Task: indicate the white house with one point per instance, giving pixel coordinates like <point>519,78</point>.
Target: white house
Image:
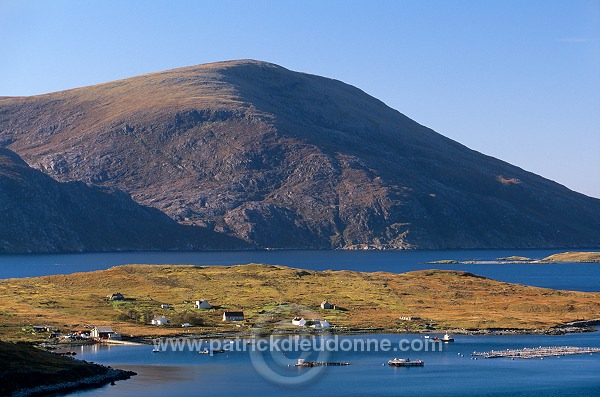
<point>104,333</point>
<point>43,328</point>
<point>160,320</point>
<point>202,304</point>
<point>320,324</point>
<point>301,322</point>
<point>233,316</point>
<point>409,318</point>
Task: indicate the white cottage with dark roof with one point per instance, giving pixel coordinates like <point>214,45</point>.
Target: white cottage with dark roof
<point>233,316</point>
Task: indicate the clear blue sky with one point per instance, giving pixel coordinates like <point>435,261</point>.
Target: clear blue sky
<point>518,80</point>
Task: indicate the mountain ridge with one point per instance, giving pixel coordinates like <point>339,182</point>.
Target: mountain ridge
<point>290,160</point>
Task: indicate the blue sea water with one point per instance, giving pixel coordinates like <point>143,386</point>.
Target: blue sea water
<point>451,372</point>
<point>571,276</point>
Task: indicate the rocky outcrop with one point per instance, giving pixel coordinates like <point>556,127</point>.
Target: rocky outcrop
<point>60,388</point>
<point>30,371</point>
<point>284,159</point>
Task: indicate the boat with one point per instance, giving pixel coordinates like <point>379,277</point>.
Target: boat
<point>446,338</point>
<point>401,362</point>
<point>155,350</point>
<point>302,363</point>
<point>211,352</point>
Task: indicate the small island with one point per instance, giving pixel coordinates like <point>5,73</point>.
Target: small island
<point>564,257</point>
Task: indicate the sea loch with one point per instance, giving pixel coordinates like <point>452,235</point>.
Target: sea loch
<point>451,372</point>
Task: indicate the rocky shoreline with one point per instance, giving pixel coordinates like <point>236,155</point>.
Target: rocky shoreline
<point>111,376</point>
<point>574,327</point>
<point>27,370</point>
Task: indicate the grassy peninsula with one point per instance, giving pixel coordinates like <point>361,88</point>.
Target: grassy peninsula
<point>268,294</point>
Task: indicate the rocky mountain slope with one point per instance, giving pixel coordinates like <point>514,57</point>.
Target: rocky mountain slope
<point>39,214</point>
<point>286,159</point>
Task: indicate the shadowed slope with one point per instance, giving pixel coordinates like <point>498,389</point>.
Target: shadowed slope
<point>39,214</point>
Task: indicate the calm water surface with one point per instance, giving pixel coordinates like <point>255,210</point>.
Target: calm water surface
<point>444,374</point>
<point>572,276</point>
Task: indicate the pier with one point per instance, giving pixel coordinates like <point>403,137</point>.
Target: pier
<point>537,352</point>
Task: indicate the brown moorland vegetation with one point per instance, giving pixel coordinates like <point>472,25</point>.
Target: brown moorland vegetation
<point>267,294</point>
<point>584,257</point>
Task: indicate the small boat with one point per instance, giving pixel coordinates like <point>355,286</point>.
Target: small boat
<point>155,350</point>
<point>446,338</point>
<point>302,363</point>
<point>206,351</point>
<point>426,337</point>
<point>401,362</point>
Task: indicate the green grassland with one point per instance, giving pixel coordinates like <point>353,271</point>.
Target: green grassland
<point>270,294</point>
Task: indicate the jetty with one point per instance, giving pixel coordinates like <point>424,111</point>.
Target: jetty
<point>537,352</point>
<point>302,363</point>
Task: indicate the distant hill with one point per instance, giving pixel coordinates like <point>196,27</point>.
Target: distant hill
<point>39,214</point>
<point>285,159</point>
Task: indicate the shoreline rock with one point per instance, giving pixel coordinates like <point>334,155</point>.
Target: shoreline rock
<point>112,375</point>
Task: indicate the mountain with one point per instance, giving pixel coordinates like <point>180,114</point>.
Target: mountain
<point>285,159</point>
<point>39,214</point>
